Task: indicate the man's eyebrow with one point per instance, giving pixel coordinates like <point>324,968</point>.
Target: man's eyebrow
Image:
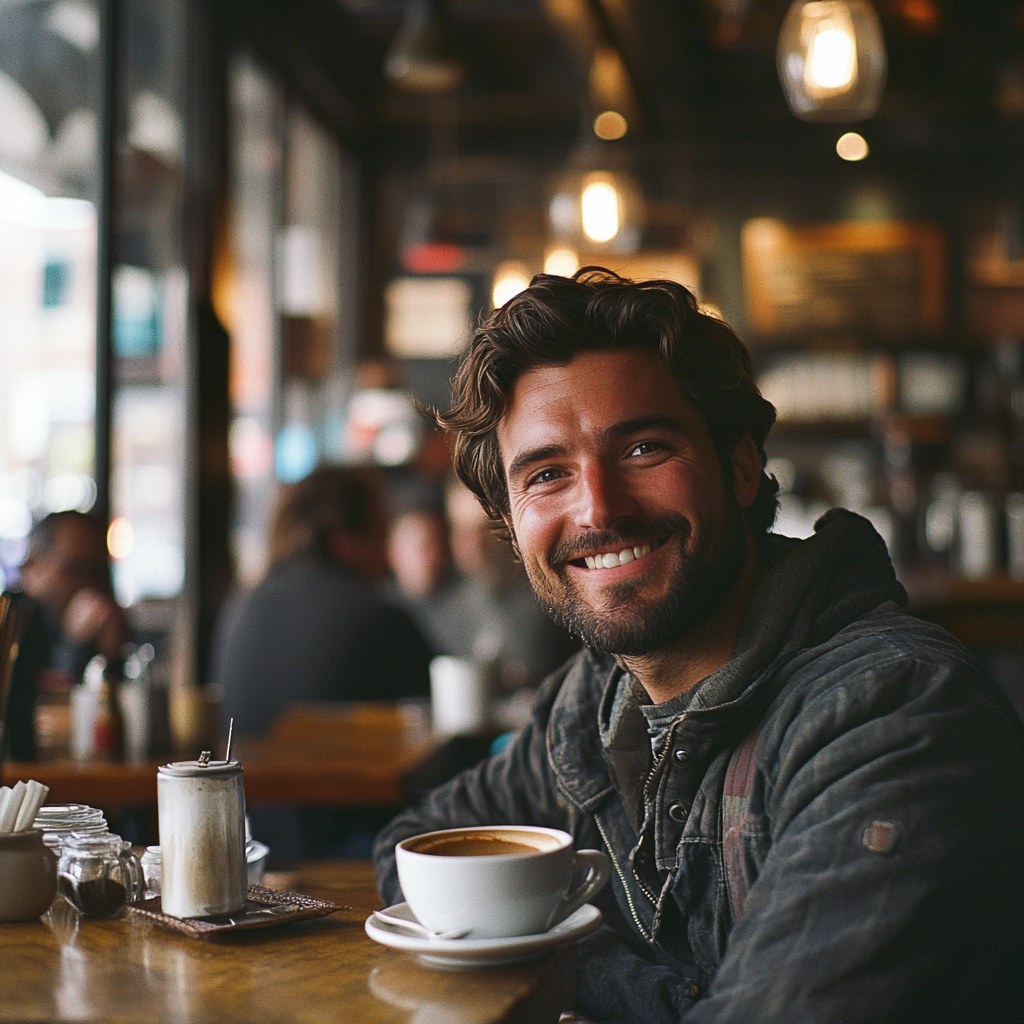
<point>535,455</point>
<point>641,423</point>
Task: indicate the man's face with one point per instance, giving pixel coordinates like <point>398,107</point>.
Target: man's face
<point>76,560</point>
<point>617,499</point>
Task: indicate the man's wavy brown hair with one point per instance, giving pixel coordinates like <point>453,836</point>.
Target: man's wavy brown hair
<point>595,310</point>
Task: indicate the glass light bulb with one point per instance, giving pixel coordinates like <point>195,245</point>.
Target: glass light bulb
<point>831,58</point>
<point>599,207</point>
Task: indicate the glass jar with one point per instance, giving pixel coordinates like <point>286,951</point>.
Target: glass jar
<point>99,874</point>
<point>58,822</point>
<point>151,870</point>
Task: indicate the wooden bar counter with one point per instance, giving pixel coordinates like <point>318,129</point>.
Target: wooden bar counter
<point>355,755</point>
<point>128,971</point>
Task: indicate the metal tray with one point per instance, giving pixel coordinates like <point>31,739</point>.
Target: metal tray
<point>265,908</point>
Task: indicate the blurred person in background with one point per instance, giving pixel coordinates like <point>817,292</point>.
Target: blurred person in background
<point>68,615</point>
<point>419,554</point>
<point>315,627</point>
<point>495,616</point>
<point>461,584</point>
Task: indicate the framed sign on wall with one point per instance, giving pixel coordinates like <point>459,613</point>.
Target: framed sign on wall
<point>884,279</point>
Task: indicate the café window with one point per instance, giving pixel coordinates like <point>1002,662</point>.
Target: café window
<point>149,285</point>
<point>50,92</point>
<point>287,298</point>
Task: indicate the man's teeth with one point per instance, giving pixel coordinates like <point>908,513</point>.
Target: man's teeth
<point>614,558</point>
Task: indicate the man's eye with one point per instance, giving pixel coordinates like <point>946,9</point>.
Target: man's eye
<point>644,448</point>
<point>545,476</point>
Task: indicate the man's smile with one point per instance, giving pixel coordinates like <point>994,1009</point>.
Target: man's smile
<point>612,558</point>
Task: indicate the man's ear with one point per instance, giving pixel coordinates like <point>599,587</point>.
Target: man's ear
<point>746,471</point>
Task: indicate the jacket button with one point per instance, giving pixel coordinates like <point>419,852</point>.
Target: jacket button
<point>680,756</point>
<point>678,812</point>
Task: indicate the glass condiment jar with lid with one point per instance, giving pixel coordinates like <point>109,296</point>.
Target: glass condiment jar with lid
<point>59,822</point>
<point>99,874</point>
<point>151,870</point>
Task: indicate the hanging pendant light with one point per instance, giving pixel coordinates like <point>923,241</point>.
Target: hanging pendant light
<point>421,59</point>
<point>597,207</point>
<point>831,60</point>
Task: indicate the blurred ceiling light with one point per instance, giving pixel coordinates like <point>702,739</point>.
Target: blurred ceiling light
<point>120,538</point>
<point>831,59</point>
<point>599,209</point>
<point>421,59</point>
<point>595,206</point>
<point>610,125</point>
<point>852,146</point>
<point>608,80</point>
<point>831,64</point>
<point>509,280</point>
<point>921,16</point>
<point>561,262</point>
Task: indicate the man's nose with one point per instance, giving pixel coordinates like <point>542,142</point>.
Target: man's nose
<point>603,498</point>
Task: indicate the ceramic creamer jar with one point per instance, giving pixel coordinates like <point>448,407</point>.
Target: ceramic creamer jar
<point>202,838</point>
<point>28,876</point>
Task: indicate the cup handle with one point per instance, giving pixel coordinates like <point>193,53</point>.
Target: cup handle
<point>136,878</point>
<point>599,869</point>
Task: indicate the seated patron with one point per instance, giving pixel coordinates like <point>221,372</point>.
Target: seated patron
<point>420,559</point>
<point>315,627</point>
<point>812,801</point>
<point>68,614</point>
<point>467,593</point>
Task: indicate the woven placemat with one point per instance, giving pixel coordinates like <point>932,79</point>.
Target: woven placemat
<point>264,908</point>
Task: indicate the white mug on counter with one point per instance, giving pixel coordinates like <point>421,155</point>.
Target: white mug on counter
<point>459,695</point>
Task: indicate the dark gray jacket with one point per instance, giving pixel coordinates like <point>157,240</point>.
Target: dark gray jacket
<point>883,830</point>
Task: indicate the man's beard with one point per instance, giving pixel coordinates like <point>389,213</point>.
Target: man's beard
<point>628,624</point>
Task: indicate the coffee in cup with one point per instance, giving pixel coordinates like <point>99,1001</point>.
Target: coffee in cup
<point>496,880</point>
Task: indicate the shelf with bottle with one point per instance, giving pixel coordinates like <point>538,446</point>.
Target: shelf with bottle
<point>956,535</point>
<point>929,443</point>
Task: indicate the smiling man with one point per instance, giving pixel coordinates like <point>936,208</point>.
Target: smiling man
<point>812,801</point>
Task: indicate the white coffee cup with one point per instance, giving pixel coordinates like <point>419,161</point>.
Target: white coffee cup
<point>459,697</point>
<point>496,880</point>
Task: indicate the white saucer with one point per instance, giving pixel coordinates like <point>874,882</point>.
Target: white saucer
<point>481,952</point>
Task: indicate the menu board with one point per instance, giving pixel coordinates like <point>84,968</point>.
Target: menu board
<point>878,278</point>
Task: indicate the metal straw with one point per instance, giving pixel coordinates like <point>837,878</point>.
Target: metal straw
<point>231,729</point>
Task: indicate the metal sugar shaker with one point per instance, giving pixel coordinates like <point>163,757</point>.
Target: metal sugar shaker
<point>201,807</point>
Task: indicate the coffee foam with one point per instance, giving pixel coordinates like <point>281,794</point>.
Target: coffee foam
<point>539,842</point>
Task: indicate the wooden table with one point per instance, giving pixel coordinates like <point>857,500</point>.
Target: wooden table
<point>127,971</point>
<point>355,755</point>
